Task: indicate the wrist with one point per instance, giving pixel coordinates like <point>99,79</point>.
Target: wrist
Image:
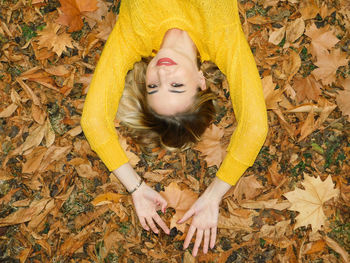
<point>217,189</point>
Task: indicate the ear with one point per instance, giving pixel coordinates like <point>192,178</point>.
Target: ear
<point>202,83</point>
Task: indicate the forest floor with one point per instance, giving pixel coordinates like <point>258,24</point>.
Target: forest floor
<point>58,201</point>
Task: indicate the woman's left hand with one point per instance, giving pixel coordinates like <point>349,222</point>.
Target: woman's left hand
<point>205,212</point>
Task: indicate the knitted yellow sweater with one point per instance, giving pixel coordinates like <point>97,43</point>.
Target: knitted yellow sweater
<point>215,28</point>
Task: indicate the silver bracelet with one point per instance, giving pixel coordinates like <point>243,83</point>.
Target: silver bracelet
<point>136,187</point>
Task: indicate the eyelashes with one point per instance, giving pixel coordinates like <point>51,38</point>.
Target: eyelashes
<point>175,85</point>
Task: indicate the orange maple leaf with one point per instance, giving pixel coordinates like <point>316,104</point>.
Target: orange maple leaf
<point>327,64</point>
<point>48,38</point>
<point>322,39</point>
<point>307,88</point>
<point>181,201</point>
<point>72,11</point>
<point>210,146</point>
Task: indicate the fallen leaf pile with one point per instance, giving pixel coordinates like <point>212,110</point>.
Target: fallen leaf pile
<point>58,201</point>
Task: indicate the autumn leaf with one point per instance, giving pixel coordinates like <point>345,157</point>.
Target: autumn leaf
<point>105,27</point>
<point>210,146</point>
<point>247,187</point>
<point>295,29</point>
<point>106,198</point>
<point>181,201</point>
<point>343,98</point>
<point>309,202</point>
<point>307,88</point>
<point>308,9</point>
<point>276,36</point>
<point>48,38</point>
<point>272,96</point>
<point>72,11</point>
<point>322,40</point>
<point>328,63</point>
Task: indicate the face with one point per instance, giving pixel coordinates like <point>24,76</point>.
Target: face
<point>172,79</point>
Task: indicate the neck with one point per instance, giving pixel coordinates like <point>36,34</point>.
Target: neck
<point>180,41</point>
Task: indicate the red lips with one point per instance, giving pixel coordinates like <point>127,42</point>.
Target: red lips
<point>166,62</point>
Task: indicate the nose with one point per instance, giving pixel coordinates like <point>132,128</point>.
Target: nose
<point>163,72</point>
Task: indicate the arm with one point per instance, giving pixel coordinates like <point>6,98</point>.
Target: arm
<point>105,91</point>
<point>235,60</point>
<point>100,108</point>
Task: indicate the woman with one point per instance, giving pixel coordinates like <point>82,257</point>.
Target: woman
<point>177,28</point>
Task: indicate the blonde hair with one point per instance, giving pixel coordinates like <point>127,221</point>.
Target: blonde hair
<point>152,131</point>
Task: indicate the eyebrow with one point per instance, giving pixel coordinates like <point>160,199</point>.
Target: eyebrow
<point>172,91</point>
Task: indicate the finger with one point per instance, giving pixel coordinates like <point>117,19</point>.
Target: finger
<point>213,237</point>
<point>198,242</point>
<point>143,223</point>
<point>186,216</point>
<point>206,241</point>
<point>152,225</point>
<point>163,204</point>
<point>189,236</point>
<point>161,223</point>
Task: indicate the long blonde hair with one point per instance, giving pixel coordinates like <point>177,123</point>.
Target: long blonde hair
<point>153,131</point>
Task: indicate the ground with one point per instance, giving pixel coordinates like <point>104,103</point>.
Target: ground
<point>58,201</point>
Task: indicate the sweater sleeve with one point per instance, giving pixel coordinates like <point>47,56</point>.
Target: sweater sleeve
<point>234,58</point>
<point>105,91</point>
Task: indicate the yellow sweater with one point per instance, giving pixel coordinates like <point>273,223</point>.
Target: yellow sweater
<point>215,28</point>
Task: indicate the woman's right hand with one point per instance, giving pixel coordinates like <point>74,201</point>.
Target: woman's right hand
<point>147,201</point>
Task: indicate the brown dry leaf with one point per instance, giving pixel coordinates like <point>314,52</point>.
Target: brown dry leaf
<point>308,9</point>
<point>272,96</point>
<point>309,202</point>
<point>85,171</point>
<point>247,186</point>
<point>181,201</point>
<point>24,214</point>
<point>210,146</point>
<point>34,138</point>
<point>74,242</point>
<point>34,160</point>
<point>291,65</point>
<point>106,198</point>
<point>133,158</point>
<point>336,247</point>
<point>157,175</point>
<point>94,17</point>
<point>72,11</point>
<point>59,70</point>
<point>48,38</point>
<point>343,98</point>
<point>9,110</point>
<point>105,27</point>
<point>49,134</point>
<point>275,232</point>
<point>54,153</point>
<point>307,88</point>
<point>314,247</point>
<point>235,222</point>
<point>295,29</point>
<point>277,35</point>
<point>269,204</point>
<point>308,126</point>
<point>322,39</point>
<point>328,63</point>
<point>38,114</point>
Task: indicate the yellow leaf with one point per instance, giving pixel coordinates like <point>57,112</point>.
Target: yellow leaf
<point>309,202</point>
<point>181,201</point>
<point>106,198</point>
